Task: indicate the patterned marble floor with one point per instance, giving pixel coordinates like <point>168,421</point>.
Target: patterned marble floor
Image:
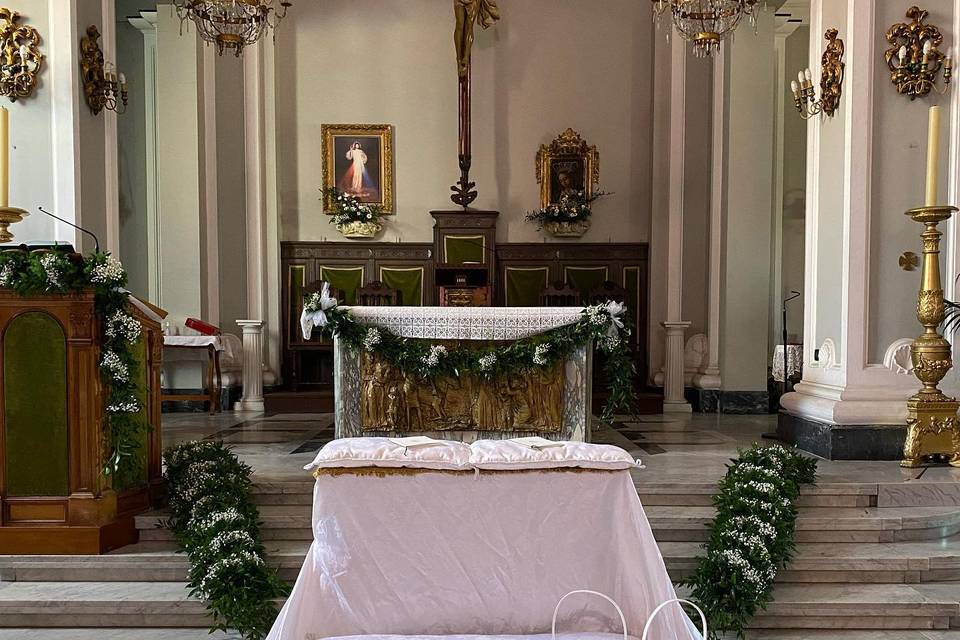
<point>674,448</point>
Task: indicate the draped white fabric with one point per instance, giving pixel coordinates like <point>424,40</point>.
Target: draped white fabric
<point>452,554</point>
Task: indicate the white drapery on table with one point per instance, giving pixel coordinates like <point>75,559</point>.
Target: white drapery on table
<point>465,323</point>
<point>442,553</point>
<point>794,361</point>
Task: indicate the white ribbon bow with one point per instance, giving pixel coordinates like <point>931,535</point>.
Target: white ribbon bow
<point>615,310</point>
<point>318,317</point>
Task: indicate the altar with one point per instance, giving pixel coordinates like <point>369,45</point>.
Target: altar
<point>374,399</point>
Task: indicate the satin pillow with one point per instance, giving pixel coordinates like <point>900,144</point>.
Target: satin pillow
<point>510,454</point>
<point>393,452</point>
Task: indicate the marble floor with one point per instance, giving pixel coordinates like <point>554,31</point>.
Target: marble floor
<point>683,449</point>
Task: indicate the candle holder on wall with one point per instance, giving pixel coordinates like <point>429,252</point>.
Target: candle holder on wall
<point>831,81</point>
<point>20,57</point>
<point>914,57</point>
<point>102,86</point>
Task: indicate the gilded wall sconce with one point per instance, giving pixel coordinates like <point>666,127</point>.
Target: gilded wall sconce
<point>102,86</point>
<point>831,81</point>
<point>914,57</point>
<point>22,60</point>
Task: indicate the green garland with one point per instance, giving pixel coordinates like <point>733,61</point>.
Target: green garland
<point>45,272</point>
<point>751,537</point>
<point>215,521</point>
<point>599,323</point>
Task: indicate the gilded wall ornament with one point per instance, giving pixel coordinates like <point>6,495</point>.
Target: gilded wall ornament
<point>914,57</point>
<point>22,60</point>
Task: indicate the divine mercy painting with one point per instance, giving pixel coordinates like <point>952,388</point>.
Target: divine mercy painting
<point>358,161</point>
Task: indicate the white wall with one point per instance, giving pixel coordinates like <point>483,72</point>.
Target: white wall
<point>546,66</point>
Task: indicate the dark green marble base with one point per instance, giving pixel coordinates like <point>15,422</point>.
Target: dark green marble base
<point>733,402</point>
<point>842,442</point>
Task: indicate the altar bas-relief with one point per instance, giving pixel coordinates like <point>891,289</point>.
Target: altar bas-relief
<point>393,401</point>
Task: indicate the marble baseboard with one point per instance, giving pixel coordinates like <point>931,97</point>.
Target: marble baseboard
<point>842,442</point>
<point>732,402</point>
<point>228,396</point>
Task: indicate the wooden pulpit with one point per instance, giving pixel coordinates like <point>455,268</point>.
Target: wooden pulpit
<point>55,495</point>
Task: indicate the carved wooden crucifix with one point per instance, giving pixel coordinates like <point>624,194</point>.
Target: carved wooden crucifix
<point>468,13</point>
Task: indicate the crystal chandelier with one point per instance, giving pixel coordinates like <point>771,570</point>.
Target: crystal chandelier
<point>232,24</point>
<point>706,22</point>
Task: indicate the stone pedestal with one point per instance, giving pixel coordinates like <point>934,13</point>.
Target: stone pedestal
<point>674,399</point>
<point>252,399</point>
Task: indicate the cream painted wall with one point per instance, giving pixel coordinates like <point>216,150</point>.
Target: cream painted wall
<point>899,170</point>
<point>31,140</point>
<point>744,348</point>
<point>546,66</point>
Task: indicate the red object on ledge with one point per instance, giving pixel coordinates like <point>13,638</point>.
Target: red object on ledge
<point>204,328</point>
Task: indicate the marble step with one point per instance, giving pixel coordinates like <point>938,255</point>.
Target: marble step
<point>99,604</point>
<point>159,604</point>
<point>934,606</point>
<point>679,523</point>
<point>894,563</point>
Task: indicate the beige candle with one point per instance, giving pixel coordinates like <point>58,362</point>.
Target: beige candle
<point>933,156</point>
<point>4,157</point>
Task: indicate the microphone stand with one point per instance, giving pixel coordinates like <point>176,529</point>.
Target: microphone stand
<point>77,227</point>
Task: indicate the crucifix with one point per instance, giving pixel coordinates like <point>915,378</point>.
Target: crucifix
<point>468,13</point>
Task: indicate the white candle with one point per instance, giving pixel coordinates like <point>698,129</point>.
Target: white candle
<point>933,156</point>
<point>4,157</point>
<point>794,87</point>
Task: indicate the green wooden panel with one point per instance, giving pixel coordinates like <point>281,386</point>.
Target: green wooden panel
<point>136,476</point>
<point>35,406</point>
<point>295,277</point>
<point>464,249</point>
<point>407,280</point>
<point>524,284</point>
<point>631,282</point>
<point>585,279</point>
<point>346,279</point>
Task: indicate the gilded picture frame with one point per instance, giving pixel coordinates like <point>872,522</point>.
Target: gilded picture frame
<point>567,163</point>
<point>358,159</point>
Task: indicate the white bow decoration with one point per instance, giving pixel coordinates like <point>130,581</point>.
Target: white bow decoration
<point>317,317</point>
<point>615,310</point>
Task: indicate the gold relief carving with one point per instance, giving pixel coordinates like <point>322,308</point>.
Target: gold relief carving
<point>567,149</point>
<point>930,307</point>
<point>914,57</point>
<point>394,401</point>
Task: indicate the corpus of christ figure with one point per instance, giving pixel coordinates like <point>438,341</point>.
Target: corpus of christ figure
<point>468,14</point>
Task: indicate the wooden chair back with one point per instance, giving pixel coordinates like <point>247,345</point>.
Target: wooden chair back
<point>377,294</point>
<point>560,294</point>
<point>608,292</point>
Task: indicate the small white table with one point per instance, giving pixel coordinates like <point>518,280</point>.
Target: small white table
<point>794,361</point>
<point>212,345</point>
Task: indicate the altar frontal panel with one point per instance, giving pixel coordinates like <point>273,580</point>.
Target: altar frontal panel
<point>395,401</point>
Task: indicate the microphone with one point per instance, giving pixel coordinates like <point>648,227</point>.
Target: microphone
<point>77,227</point>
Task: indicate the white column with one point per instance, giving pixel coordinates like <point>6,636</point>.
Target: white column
<point>111,151</point>
<point>673,399</point>
<point>64,86</point>
<point>252,399</point>
<point>261,197</point>
<point>674,326</point>
<point>709,377</point>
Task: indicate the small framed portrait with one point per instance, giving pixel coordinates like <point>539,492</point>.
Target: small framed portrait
<point>566,167</point>
<point>358,160</point>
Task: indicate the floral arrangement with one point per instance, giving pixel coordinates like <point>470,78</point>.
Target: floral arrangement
<point>347,209</point>
<point>571,208</point>
<point>43,272</point>
<point>215,521</point>
<point>752,535</point>
<point>601,323</point>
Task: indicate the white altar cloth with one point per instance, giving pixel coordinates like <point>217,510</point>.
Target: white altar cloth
<point>439,553</point>
<point>465,323</point>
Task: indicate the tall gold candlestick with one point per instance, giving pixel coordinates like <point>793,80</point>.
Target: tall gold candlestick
<point>8,214</point>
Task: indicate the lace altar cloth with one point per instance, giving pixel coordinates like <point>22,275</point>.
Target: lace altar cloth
<point>794,361</point>
<point>465,323</point>
<point>456,554</point>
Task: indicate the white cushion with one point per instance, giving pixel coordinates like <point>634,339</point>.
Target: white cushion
<point>584,635</point>
<point>392,452</point>
<point>511,455</point>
